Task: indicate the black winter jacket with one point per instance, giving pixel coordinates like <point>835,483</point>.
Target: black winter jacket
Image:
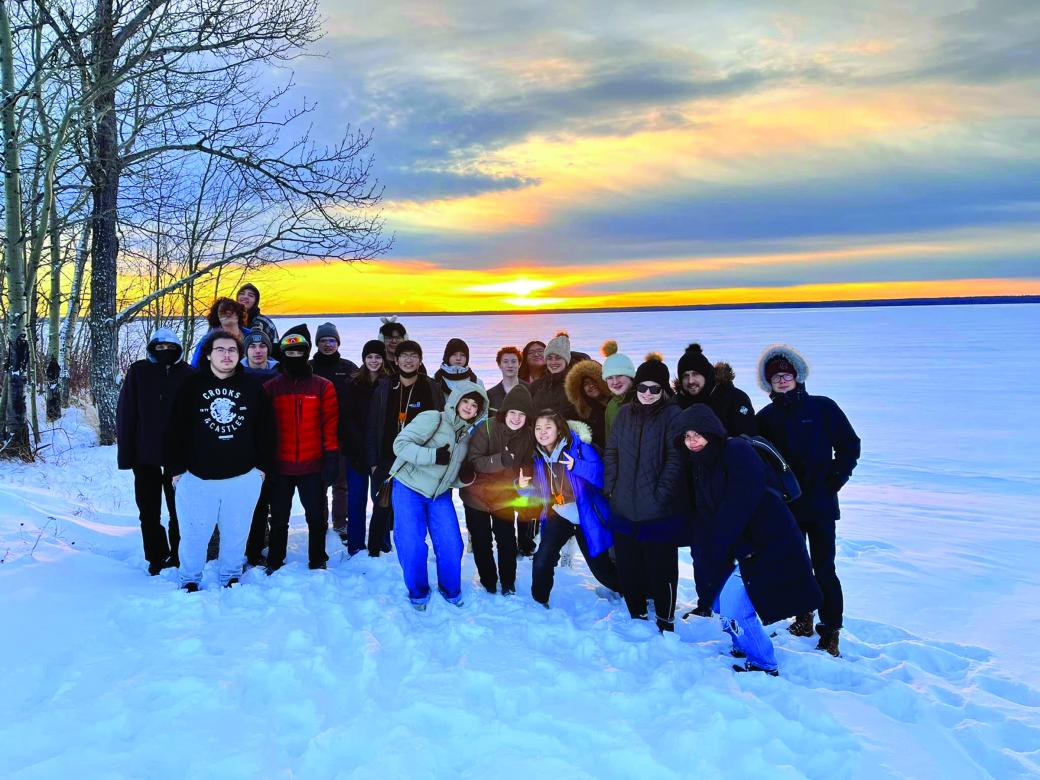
<point>549,393</point>
<point>143,411</point>
<point>340,372</point>
<point>643,473</point>
<point>730,404</point>
<point>817,440</point>
<point>358,405</point>
<point>220,428</point>
<point>377,414</point>
<point>738,518</point>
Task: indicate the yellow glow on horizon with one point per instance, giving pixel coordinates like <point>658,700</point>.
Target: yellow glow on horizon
<point>518,287</point>
<point>734,141</point>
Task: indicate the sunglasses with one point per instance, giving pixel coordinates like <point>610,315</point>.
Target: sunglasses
<point>654,389</point>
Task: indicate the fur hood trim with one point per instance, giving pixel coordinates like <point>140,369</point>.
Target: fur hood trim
<point>724,373</point>
<point>793,356</point>
<point>585,369</point>
<point>581,430</point>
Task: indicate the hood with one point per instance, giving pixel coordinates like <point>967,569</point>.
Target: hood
<point>724,373</point>
<point>700,418</point>
<point>465,387</point>
<point>793,356</point>
<point>581,430</point>
<point>586,369</point>
<point>166,335</point>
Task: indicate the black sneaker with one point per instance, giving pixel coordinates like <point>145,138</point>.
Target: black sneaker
<point>190,587</point>
<point>508,591</point>
<point>232,581</point>
<point>317,566</point>
<point>750,667</point>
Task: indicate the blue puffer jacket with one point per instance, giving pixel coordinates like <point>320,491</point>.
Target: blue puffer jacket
<point>587,484</point>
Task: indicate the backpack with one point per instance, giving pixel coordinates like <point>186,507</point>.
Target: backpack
<point>784,481</point>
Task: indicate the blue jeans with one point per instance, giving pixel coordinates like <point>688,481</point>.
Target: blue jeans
<point>415,515</point>
<point>357,505</point>
<point>737,614</point>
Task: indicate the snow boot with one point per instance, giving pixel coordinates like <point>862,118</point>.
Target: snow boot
<point>750,667</point>
<point>699,611</point>
<point>802,625</point>
<point>190,587</point>
<point>421,607</point>
<point>233,581</point>
<point>829,641</point>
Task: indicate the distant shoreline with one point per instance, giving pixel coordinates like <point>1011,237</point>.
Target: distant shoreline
<point>959,301</point>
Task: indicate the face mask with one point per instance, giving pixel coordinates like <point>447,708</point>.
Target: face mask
<point>296,366</point>
<point>165,357</point>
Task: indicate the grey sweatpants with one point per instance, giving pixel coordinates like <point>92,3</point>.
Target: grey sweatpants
<point>226,503</point>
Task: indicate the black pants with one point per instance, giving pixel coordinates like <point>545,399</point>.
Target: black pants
<point>555,534</point>
<point>526,527</point>
<point>820,536</point>
<point>382,517</point>
<point>700,572</point>
<point>312,496</point>
<point>648,569</point>
<point>259,528</point>
<point>151,483</point>
<point>481,527</point>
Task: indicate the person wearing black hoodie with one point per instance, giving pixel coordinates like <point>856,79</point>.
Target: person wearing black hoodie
<point>219,445</point>
<point>500,446</point>
<point>649,499</point>
<point>358,407</point>
<point>754,560</point>
<point>249,297</point>
<point>698,381</point>
<point>327,363</point>
<point>145,400</point>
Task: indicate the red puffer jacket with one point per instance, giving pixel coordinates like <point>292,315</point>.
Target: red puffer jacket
<point>307,417</point>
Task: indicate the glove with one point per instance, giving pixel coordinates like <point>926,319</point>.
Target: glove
<point>329,469</point>
<point>835,481</point>
<point>467,476</point>
<point>443,455</point>
<point>508,459</point>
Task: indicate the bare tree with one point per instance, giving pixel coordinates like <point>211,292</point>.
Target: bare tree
<point>168,79</point>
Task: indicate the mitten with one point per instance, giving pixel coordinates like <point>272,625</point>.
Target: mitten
<point>443,455</point>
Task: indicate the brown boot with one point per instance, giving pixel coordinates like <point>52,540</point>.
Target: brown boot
<point>802,625</point>
<point>829,641</point>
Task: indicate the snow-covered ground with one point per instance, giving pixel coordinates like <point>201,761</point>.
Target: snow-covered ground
<point>110,673</point>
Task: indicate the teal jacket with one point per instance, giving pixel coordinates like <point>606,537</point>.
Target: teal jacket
<point>417,444</point>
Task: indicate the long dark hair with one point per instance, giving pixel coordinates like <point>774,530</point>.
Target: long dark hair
<point>525,369</point>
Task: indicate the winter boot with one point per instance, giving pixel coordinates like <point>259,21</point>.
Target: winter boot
<point>802,625</point>
<point>699,611</point>
<point>190,587</point>
<point>829,641</point>
<point>750,667</point>
<point>231,583</point>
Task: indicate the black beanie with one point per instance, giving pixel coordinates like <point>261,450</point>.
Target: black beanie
<point>519,399</point>
<point>453,346</point>
<point>288,342</point>
<point>693,360</point>
<point>409,346</point>
<point>327,331</point>
<point>373,347</point>
<point>653,370</point>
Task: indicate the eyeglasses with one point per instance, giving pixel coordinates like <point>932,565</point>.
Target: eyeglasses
<point>654,389</point>
<point>536,353</point>
<point>782,378</point>
<point>327,342</point>
<point>225,350</point>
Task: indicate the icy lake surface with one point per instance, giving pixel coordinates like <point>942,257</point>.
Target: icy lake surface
<point>110,673</point>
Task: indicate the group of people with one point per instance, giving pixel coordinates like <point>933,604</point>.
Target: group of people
<point>632,464</point>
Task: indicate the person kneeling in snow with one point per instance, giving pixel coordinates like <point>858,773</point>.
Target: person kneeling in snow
<point>431,451</point>
<point>740,517</point>
<point>219,445</point>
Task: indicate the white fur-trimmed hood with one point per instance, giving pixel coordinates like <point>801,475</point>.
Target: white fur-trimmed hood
<point>793,356</point>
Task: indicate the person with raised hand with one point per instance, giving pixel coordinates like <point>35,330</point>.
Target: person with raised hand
<point>431,452</point>
<point>249,297</point>
<point>566,483</point>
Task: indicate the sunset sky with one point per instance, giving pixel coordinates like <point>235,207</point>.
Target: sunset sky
<point>630,154</point>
